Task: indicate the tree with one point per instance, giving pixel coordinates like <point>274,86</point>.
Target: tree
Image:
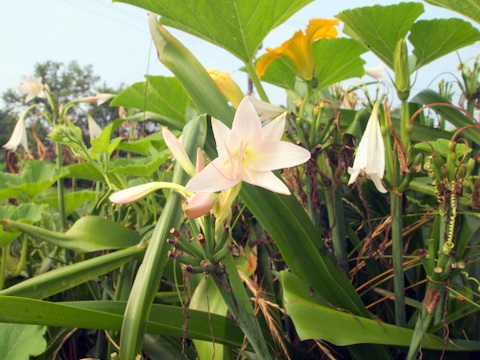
<point>66,82</point>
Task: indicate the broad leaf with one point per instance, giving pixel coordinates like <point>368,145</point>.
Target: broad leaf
<point>380,27</point>
<point>315,319</point>
<point>72,200</point>
<point>281,72</point>
<point>440,147</point>
<point>20,341</point>
<point>469,8</point>
<point>90,233</point>
<point>337,60</point>
<point>434,38</point>
<point>143,166</point>
<point>148,145</point>
<point>238,26</point>
<point>85,171</point>
<point>159,94</point>
<point>67,277</point>
<point>36,177</point>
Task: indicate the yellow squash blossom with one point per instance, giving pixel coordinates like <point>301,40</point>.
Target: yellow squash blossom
<point>299,48</point>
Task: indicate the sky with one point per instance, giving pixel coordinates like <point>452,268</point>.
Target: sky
<point>114,39</point>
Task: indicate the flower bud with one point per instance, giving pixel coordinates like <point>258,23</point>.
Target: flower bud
<point>402,71</point>
<point>227,86</point>
<point>199,204</point>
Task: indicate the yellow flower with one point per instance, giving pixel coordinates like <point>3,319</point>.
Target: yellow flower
<point>227,86</point>
<point>299,48</point>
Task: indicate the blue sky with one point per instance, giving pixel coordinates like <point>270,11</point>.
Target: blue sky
<point>114,38</point>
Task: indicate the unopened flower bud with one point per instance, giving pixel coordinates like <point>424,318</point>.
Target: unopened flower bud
<point>199,204</point>
<point>402,70</point>
<point>228,87</point>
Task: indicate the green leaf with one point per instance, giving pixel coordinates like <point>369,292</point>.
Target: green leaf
<point>103,144</point>
<point>281,72</point>
<point>380,28</point>
<point>337,60</point>
<point>19,341</point>
<point>144,166</point>
<point>163,319</point>
<point>469,8</point>
<point>315,319</point>
<point>36,177</point>
<point>159,94</point>
<point>72,200</point>
<point>25,213</point>
<point>454,116</point>
<point>434,38</point>
<point>237,26</point>
<point>84,171</point>
<point>148,145</point>
<point>67,277</point>
<point>192,75</point>
<point>440,147</point>
<point>90,233</point>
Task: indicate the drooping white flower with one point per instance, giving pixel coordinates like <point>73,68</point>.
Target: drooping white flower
<point>264,109</point>
<point>370,157</point>
<point>32,87</point>
<point>248,152</point>
<point>19,136</point>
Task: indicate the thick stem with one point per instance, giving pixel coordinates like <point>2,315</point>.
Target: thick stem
<point>3,265</point>
<point>61,190</point>
<point>397,255</point>
<point>252,74</point>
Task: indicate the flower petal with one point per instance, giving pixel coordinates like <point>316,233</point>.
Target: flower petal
<point>246,123</point>
<point>178,151</point>
<point>264,109</point>
<point>274,155</point>
<point>378,183</point>
<point>274,129</point>
<point>221,133</point>
<point>354,173</point>
<point>217,176</point>
<point>265,60</point>
<point>267,180</point>
<point>18,137</point>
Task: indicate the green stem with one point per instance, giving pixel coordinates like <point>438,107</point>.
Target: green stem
<point>23,257</point>
<point>252,73</point>
<point>233,292</point>
<point>397,254</point>
<point>336,221</point>
<point>61,190</point>
<point>3,266</point>
<point>406,128</point>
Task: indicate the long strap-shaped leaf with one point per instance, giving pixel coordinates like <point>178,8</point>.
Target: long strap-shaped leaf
<point>150,272</point>
<point>163,319</point>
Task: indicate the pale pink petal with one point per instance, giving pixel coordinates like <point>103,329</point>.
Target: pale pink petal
<point>267,180</point>
<point>134,193</point>
<point>199,204</point>
<point>18,137</point>
<point>246,124</point>
<point>264,109</point>
<point>221,132</point>
<point>275,129</point>
<point>274,155</point>
<point>178,151</point>
<point>217,176</point>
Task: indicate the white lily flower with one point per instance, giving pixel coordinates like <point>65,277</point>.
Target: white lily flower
<point>135,193</point>
<point>32,87</point>
<point>19,136</point>
<point>264,109</point>
<point>370,157</point>
<point>377,72</point>
<point>248,152</point>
